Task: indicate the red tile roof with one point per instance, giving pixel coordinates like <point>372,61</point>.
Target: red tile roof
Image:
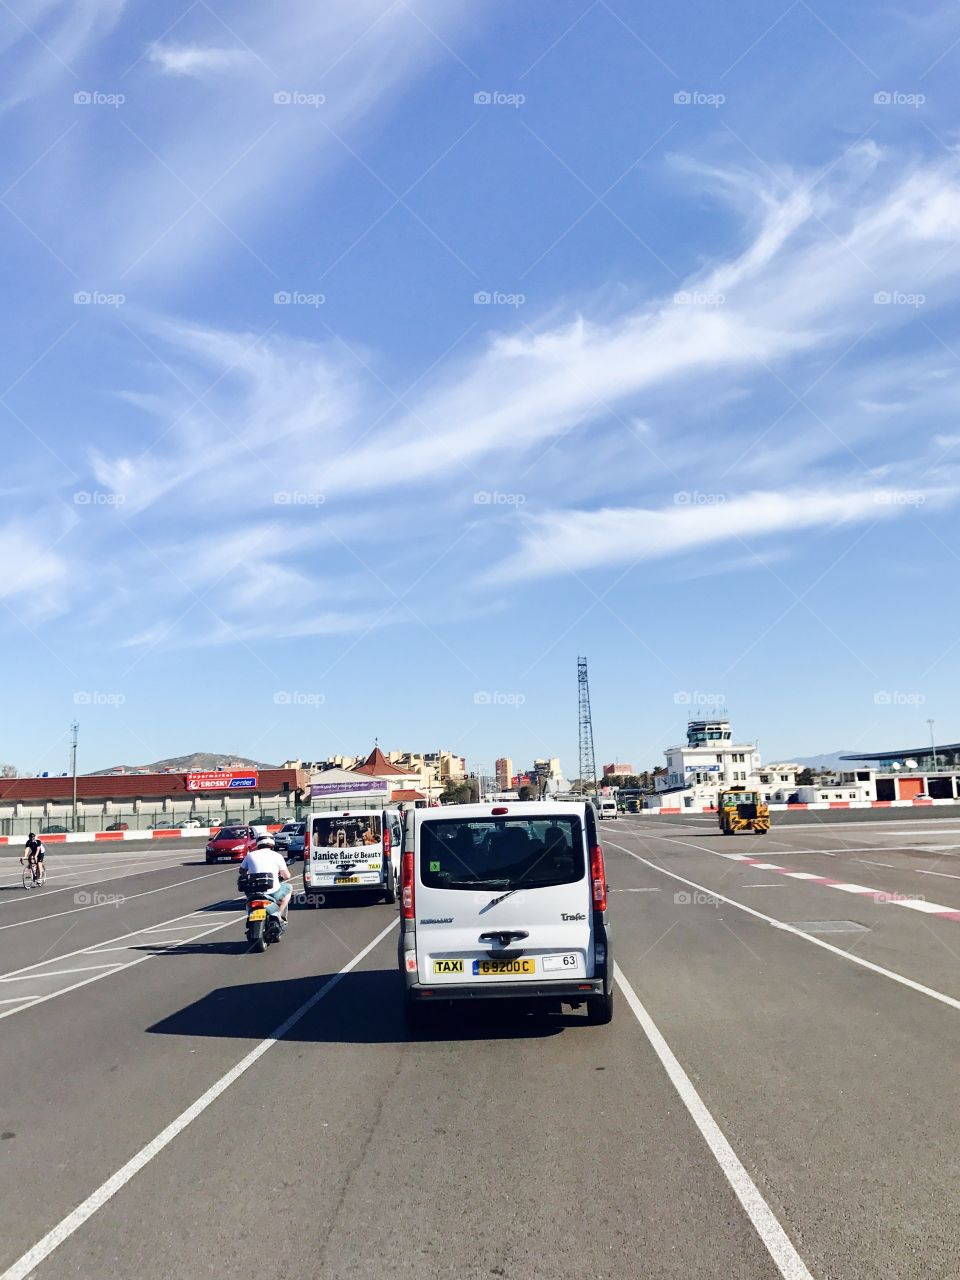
<point>407,796</point>
<point>378,766</point>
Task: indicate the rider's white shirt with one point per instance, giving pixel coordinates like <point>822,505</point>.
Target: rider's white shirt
<point>265,860</point>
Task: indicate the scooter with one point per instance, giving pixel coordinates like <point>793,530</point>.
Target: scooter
<point>264,922</point>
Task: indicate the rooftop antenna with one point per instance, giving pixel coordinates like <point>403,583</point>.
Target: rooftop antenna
<point>588,765</point>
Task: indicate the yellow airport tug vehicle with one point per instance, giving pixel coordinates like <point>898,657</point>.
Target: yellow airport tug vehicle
<point>742,810</point>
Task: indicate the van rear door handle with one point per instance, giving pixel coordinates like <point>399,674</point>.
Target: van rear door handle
<point>503,937</point>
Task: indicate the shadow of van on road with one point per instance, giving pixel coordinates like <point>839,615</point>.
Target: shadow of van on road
<point>363,1007</point>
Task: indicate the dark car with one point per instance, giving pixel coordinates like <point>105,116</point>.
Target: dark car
<point>118,826</point>
<point>289,839</point>
<point>233,843</point>
<point>53,831</point>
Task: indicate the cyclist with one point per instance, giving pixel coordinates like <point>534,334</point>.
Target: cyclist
<point>34,852</point>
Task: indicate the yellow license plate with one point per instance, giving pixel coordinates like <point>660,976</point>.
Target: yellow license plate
<point>346,880</point>
<point>503,968</point>
<point>259,914</point>
<point>448,966</point>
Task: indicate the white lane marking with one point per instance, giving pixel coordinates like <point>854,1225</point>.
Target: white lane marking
<point>853,888</point>
<point>776,1241</point>
<point>768,866</point>
<point>868,862</point>
<point>110,901</point>
<point>59,973</point>
<point>95,947</point>
<point>799,933</point>
<point>779,885</point>
<point>947,875</point>
<point>68,1225</point>
<point>121,868</point>
<point>109,972</point>
<point>804,875</point>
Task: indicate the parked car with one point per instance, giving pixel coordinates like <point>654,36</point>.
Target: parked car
<point>231,842</point>
<point>504,901</point>
<point>53,831</point>
<point>118,826</point>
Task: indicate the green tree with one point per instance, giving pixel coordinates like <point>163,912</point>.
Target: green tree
<point>805,778</point>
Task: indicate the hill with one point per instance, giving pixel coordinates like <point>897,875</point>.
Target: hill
<point>830,760</point>
<point>199,760</point>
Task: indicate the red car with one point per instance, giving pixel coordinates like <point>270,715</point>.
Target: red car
<point>231,842</point>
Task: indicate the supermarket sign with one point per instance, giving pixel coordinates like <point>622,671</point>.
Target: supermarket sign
<point>222,780</point>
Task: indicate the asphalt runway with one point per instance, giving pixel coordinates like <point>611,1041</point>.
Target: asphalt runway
<point>776,1095</point>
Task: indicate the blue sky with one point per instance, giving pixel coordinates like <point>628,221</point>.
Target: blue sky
<point>361,370</point>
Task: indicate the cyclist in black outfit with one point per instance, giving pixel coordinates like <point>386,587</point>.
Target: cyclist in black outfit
<point>35,853</point>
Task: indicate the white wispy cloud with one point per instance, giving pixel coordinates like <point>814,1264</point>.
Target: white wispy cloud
<point>793,307</point>
<point>197,60</point>
<point>573,541</point>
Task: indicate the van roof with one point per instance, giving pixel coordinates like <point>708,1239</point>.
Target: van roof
<point>500,809</point>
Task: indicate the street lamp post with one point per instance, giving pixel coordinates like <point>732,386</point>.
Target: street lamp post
<point>933,748</point>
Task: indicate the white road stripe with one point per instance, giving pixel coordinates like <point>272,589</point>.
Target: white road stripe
<point>92,906</point>
<point>111,970</point>
<point>776,1241</point>
<point>64,1229</point>
<point>121,868</point>
<point>95,947</point>
<point>799,933</point>
<point>58,973</point>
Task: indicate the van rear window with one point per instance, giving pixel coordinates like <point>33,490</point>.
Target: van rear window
<point>346,833</point>
<point>502,853</point>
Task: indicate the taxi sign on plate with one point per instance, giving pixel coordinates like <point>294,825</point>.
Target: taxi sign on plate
<point>448,966</point>
<point>503,968</point>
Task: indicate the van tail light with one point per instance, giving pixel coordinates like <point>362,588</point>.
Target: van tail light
<point>386,838</point>
<point>598,877</point>
<point>406,886</point>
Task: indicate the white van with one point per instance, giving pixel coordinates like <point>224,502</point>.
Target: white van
<point>350,850</point>
<point>607,806</point>
<point>505,900</point>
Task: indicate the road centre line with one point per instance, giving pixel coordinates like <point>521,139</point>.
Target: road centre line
<point>29,1261</point>
<point>900,978</point>
<point>91,906</point>
<point>764,1221</point>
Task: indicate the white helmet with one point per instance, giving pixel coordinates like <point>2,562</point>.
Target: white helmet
<point>266,842</point>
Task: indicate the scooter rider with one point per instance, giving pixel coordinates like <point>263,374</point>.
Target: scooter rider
<point>265,858</point>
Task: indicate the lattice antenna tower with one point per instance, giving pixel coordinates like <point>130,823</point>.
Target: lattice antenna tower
<point>588,764</point>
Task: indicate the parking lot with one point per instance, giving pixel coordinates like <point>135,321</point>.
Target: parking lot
<point>776,1094</point>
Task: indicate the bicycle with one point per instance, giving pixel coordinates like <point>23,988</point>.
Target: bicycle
<point>34,873</point>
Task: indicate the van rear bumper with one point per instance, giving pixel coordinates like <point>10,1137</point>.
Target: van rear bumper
<point>570,992</point>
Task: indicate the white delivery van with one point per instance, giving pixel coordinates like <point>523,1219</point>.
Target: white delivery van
<point>349,850</point>
<point>504,901</point>
<point>607,806</point>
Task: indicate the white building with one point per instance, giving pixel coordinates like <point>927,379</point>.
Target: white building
<point>710,760</point>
